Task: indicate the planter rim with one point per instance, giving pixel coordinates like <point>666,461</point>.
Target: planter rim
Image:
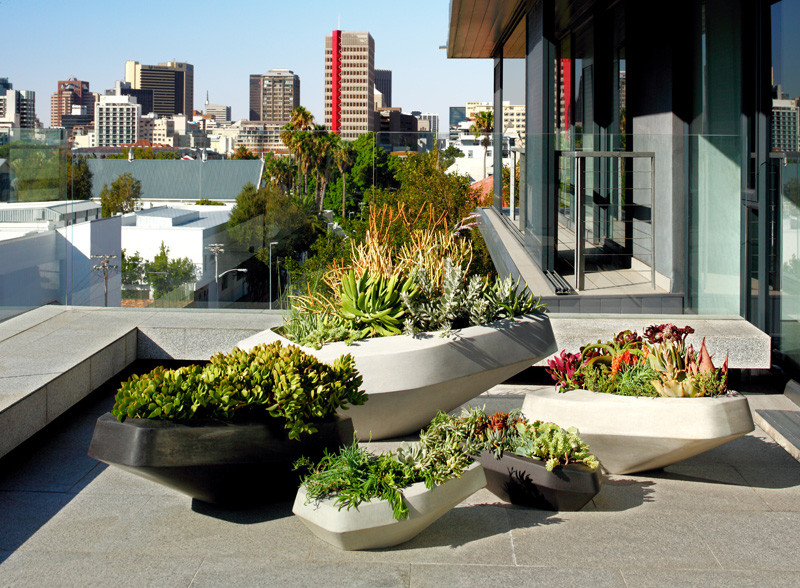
<point>582,393</point>
<point>573,465</point>
<point>424,339</point>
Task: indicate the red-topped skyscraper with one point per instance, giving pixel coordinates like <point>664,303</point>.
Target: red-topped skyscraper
<point>350,83</point>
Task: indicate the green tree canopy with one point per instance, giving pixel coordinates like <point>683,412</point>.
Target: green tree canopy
<point>79,179</point>
<point>243,152</point>
<point>132,268</point>
<point>123,195</point>
<point>166,274</point>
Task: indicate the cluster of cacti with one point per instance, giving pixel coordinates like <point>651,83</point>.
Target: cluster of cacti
<point>660,365</point>
<point>270,381</point>
<point>511,432</point>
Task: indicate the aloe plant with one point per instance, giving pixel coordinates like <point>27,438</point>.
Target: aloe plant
<point>373,303</point>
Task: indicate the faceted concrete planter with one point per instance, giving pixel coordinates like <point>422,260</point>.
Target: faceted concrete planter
<point>371,524</point>
<point>526,482</point>
<point>221,463</point>
<point>632,434</point>
<point>409,379</point>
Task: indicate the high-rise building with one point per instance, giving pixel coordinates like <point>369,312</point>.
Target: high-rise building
<point>458,114</point>
<point>432,118</point>
<point>274,95</point>
<point>71,92</point>
<point>172,84</point>
<point>116,120</point>
<point>383,83</point>
<point>143,97</point>
<point>221,114</point>
<point>17,108</point>
<point>349,83</point>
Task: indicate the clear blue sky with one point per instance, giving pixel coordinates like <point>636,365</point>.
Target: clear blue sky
<point>47,40</point>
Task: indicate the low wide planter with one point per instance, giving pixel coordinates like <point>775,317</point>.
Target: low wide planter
<point>371,525</point>
<point>409,379</point>
<point>230,464</point>
<point>526,482</point>
<point>631,434</point>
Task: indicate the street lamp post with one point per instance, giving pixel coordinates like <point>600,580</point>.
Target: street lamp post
<point>270,272</point>
<point>216,249</point>
<point>236,269</point>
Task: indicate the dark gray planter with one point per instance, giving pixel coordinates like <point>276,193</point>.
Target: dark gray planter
<point>230,464</point>
<point>526,482</point>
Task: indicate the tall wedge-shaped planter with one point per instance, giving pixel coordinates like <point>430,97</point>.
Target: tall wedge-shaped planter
<point>631,434</point>
<point>409,379</point>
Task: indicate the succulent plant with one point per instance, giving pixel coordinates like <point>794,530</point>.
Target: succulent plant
<point>565,370</point>
<point>373,302</point>
<point>683,372</point>
<point>511,432</point>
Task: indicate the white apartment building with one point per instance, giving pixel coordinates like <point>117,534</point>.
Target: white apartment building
<point>784,127</point>
<point>433,121</point>
<point>349,83</point>
<point>18,109</point>
<point>116,121</point>
<point>513,114</point>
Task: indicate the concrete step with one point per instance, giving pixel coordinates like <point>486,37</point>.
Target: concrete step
<point>783,426</point>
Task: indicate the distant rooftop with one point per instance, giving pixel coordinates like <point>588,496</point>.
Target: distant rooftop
<point>179,179</point>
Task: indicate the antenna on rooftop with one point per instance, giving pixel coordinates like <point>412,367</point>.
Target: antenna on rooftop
<point>339,23</point>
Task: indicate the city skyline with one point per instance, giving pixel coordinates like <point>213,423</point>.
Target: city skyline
<point>406,41</point>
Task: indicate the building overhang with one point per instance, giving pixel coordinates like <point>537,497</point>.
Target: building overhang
<point>479,28</point>
<point>482,29</point>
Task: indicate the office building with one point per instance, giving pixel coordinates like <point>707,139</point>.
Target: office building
<point>349,83</point>
<point>383,84</point>
<point>274,95</point>
<point>172,84</point>
<point>432,119</point>
<point>116,121</point>
<point>221,113</point>
<point>17,108</point>
<point>71,92</point>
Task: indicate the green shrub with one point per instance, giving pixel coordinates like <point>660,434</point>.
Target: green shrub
<point>355,475</point>
<point>270,381</point>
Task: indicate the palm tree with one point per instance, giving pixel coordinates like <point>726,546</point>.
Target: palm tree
<point>293,136</point>
<point>323,154</point>
<point>483,126</point>
<point>343,156</point>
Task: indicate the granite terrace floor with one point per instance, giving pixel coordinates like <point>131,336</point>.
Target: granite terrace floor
<point>730,517</point>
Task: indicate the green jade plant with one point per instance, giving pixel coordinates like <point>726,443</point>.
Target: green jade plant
<point>270,383</point>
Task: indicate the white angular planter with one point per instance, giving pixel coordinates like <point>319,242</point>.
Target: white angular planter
<point>371,525</point>
<point>409,379</point>
<point>631,434</point>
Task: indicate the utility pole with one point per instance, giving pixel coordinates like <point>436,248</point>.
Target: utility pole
<point>105,266</point>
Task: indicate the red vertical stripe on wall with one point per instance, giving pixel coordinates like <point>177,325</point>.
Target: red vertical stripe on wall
<point>336,82</point>
<point>566,73</point>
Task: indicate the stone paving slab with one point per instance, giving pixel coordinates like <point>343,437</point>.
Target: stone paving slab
<point>730,517</point>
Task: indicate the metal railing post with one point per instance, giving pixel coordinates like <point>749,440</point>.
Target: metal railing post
<point>653,221</point>
<point>580,221</point>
